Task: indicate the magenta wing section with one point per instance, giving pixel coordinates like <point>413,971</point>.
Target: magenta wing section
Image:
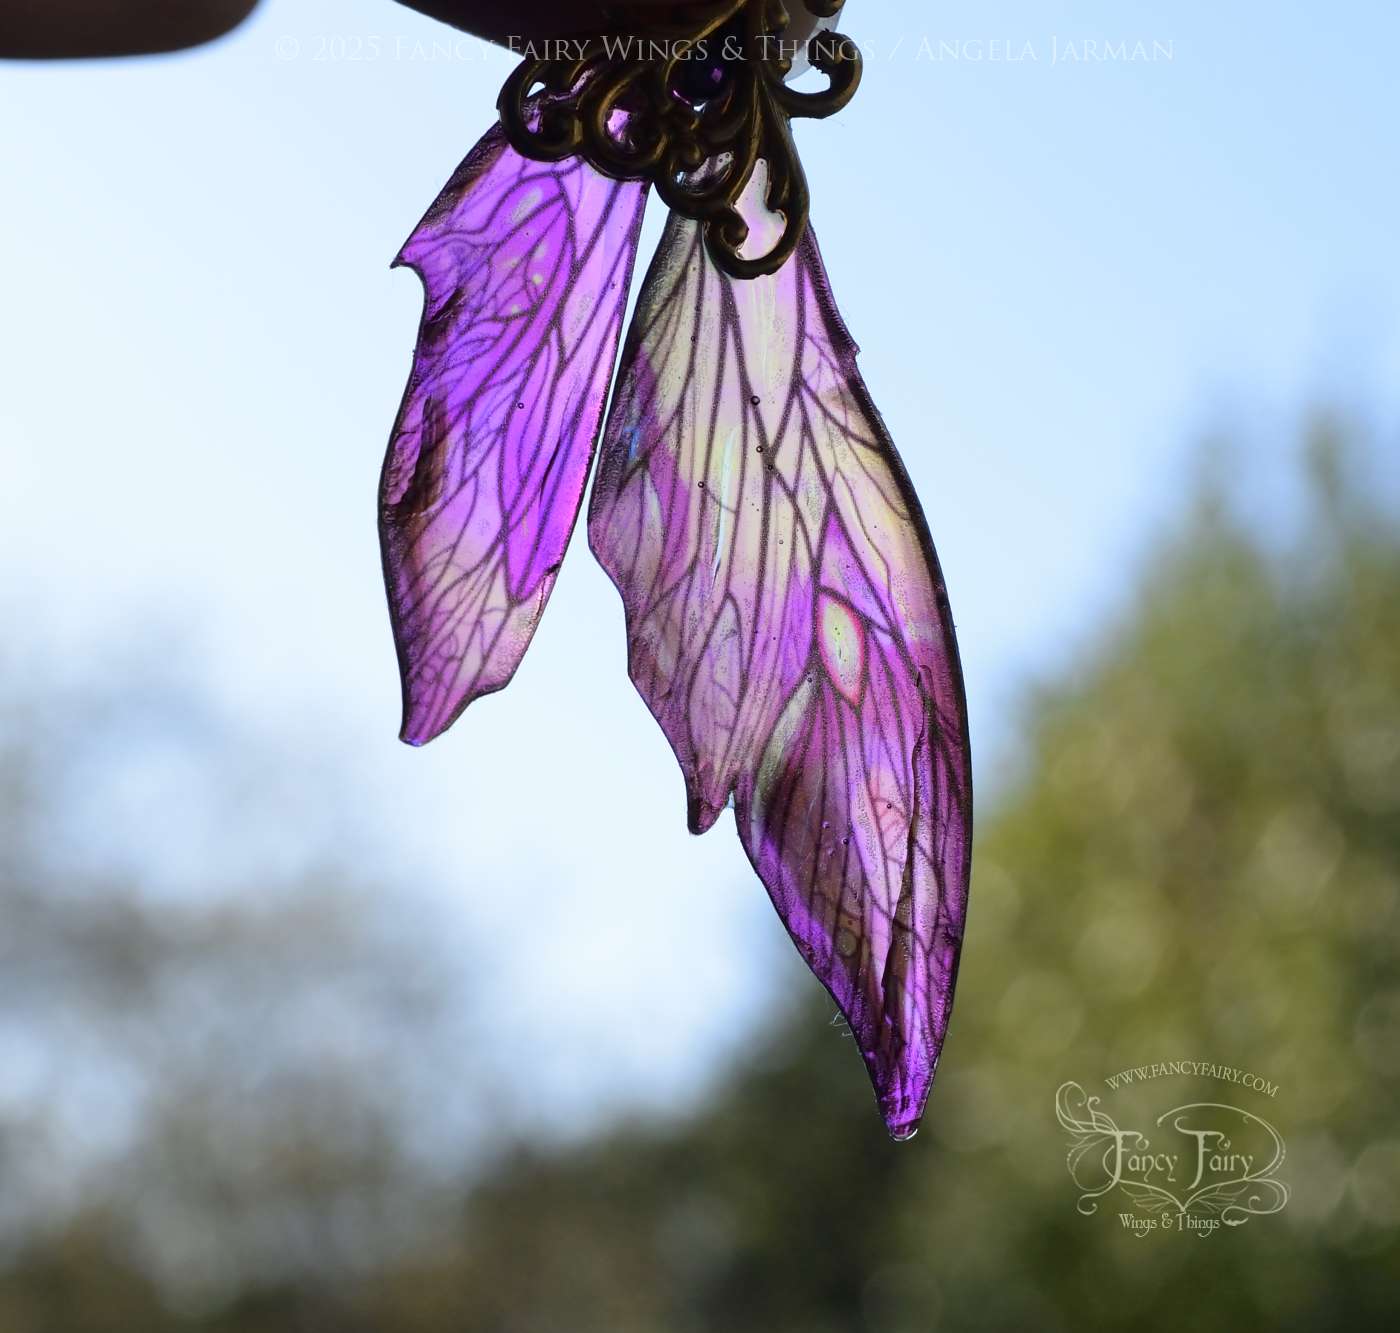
<point>789,629</point>
<point>525,267</point>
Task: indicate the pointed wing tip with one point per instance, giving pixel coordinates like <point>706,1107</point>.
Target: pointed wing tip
<point>405,260</point>
<point>701,816</point>
<point>902,1120</point>
<point>902,1097</point>
<point>426,716</point>
<point>417,732</point>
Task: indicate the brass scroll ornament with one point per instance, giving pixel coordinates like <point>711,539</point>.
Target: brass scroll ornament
<point>690,107</point>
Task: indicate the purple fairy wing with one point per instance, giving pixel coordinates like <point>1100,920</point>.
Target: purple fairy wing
<point>789,629</point>
<point>526,267</point>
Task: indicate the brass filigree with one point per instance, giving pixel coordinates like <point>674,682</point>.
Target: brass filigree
<point>689,107</point>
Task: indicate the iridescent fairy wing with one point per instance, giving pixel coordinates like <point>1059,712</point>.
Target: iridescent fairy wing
<point>789,628</point>
<point>526,267</point>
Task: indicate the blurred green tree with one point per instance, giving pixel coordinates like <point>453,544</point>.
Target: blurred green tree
<point>227,1052</point>
<point>1198,857</point>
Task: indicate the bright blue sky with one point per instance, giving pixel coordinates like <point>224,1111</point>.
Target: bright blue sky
<point>1060,274</point>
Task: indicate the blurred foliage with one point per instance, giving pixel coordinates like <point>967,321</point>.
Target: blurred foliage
<point>219,1039</point>
<point>1198,858</point>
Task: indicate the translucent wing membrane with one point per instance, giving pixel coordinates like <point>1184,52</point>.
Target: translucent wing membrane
<point>526,267</point>
<point>789,629</point>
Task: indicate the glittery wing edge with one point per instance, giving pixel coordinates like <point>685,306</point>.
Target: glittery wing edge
<point>526,268</point>
<point>789,628</point>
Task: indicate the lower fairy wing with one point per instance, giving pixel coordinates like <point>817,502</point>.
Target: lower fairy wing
<point>789,629</point>
<point>526,267</point>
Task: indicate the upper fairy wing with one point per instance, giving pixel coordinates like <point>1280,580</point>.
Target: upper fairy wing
<point>789,628</point>
<point>526,267</point>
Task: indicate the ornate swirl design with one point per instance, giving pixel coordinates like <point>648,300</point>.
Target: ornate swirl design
<point>690,109</point>
<point>1104,1158</point>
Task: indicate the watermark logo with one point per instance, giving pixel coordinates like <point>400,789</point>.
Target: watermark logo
<point>1203,1166</point>
<point>450,50</point>
<point>1199,1068</point>
<point>659,50</point>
